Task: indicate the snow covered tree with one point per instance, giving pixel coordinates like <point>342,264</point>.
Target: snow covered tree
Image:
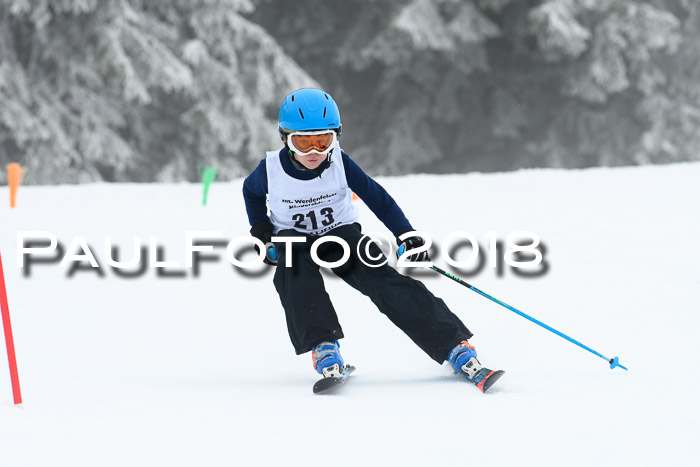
<point>607,54</point>
<point>673,117</point>
<point>453,85</point>
<point>137,90</point>
<point>397,69</point>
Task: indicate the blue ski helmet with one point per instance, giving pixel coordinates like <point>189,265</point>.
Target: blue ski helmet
<point>307,110</point>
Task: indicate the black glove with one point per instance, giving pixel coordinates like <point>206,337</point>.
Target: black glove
<point>263,232</point>
<point>411,243</point>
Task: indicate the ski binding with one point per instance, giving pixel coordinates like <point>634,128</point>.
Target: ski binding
<point>333,378</point>
<point>481,377</point>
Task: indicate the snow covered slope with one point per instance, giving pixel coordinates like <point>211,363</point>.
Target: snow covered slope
<point>199,370</point>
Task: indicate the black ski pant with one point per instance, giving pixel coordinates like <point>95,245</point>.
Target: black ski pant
<point>311,318</point>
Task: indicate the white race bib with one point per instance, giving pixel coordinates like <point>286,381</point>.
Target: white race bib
<point>310,206</point>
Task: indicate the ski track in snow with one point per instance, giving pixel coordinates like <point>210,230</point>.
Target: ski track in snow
<point>200,371</point>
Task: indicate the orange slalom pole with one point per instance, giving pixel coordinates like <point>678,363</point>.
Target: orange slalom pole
<point>14,178</point>
<point>9,342</point>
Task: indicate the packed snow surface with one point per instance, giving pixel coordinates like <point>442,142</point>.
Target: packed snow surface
<point>184,371</point>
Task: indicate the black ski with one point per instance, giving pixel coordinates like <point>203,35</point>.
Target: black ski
<point>324,385</point>
<point>485,378</point>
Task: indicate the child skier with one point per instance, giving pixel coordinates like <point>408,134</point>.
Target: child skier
<point>308,186</point>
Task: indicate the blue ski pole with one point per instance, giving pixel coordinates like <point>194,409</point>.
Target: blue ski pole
<point>612,361</point>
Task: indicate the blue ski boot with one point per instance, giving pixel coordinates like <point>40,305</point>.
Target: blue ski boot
<point>463,359</point>
<point>327,359</point>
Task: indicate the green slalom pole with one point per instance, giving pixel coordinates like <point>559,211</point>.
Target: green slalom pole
<point>208,176</point>
<point>612,361</point>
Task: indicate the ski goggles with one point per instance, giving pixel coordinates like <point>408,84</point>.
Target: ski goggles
<point>306,142</point>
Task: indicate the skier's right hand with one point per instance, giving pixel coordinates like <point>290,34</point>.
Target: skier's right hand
<point>263,232</point>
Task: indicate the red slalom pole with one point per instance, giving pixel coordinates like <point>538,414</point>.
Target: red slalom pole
<point>9,342</point>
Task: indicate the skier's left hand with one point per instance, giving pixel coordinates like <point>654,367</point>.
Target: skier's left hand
<point>411,243</point>
<point>270,254</point>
